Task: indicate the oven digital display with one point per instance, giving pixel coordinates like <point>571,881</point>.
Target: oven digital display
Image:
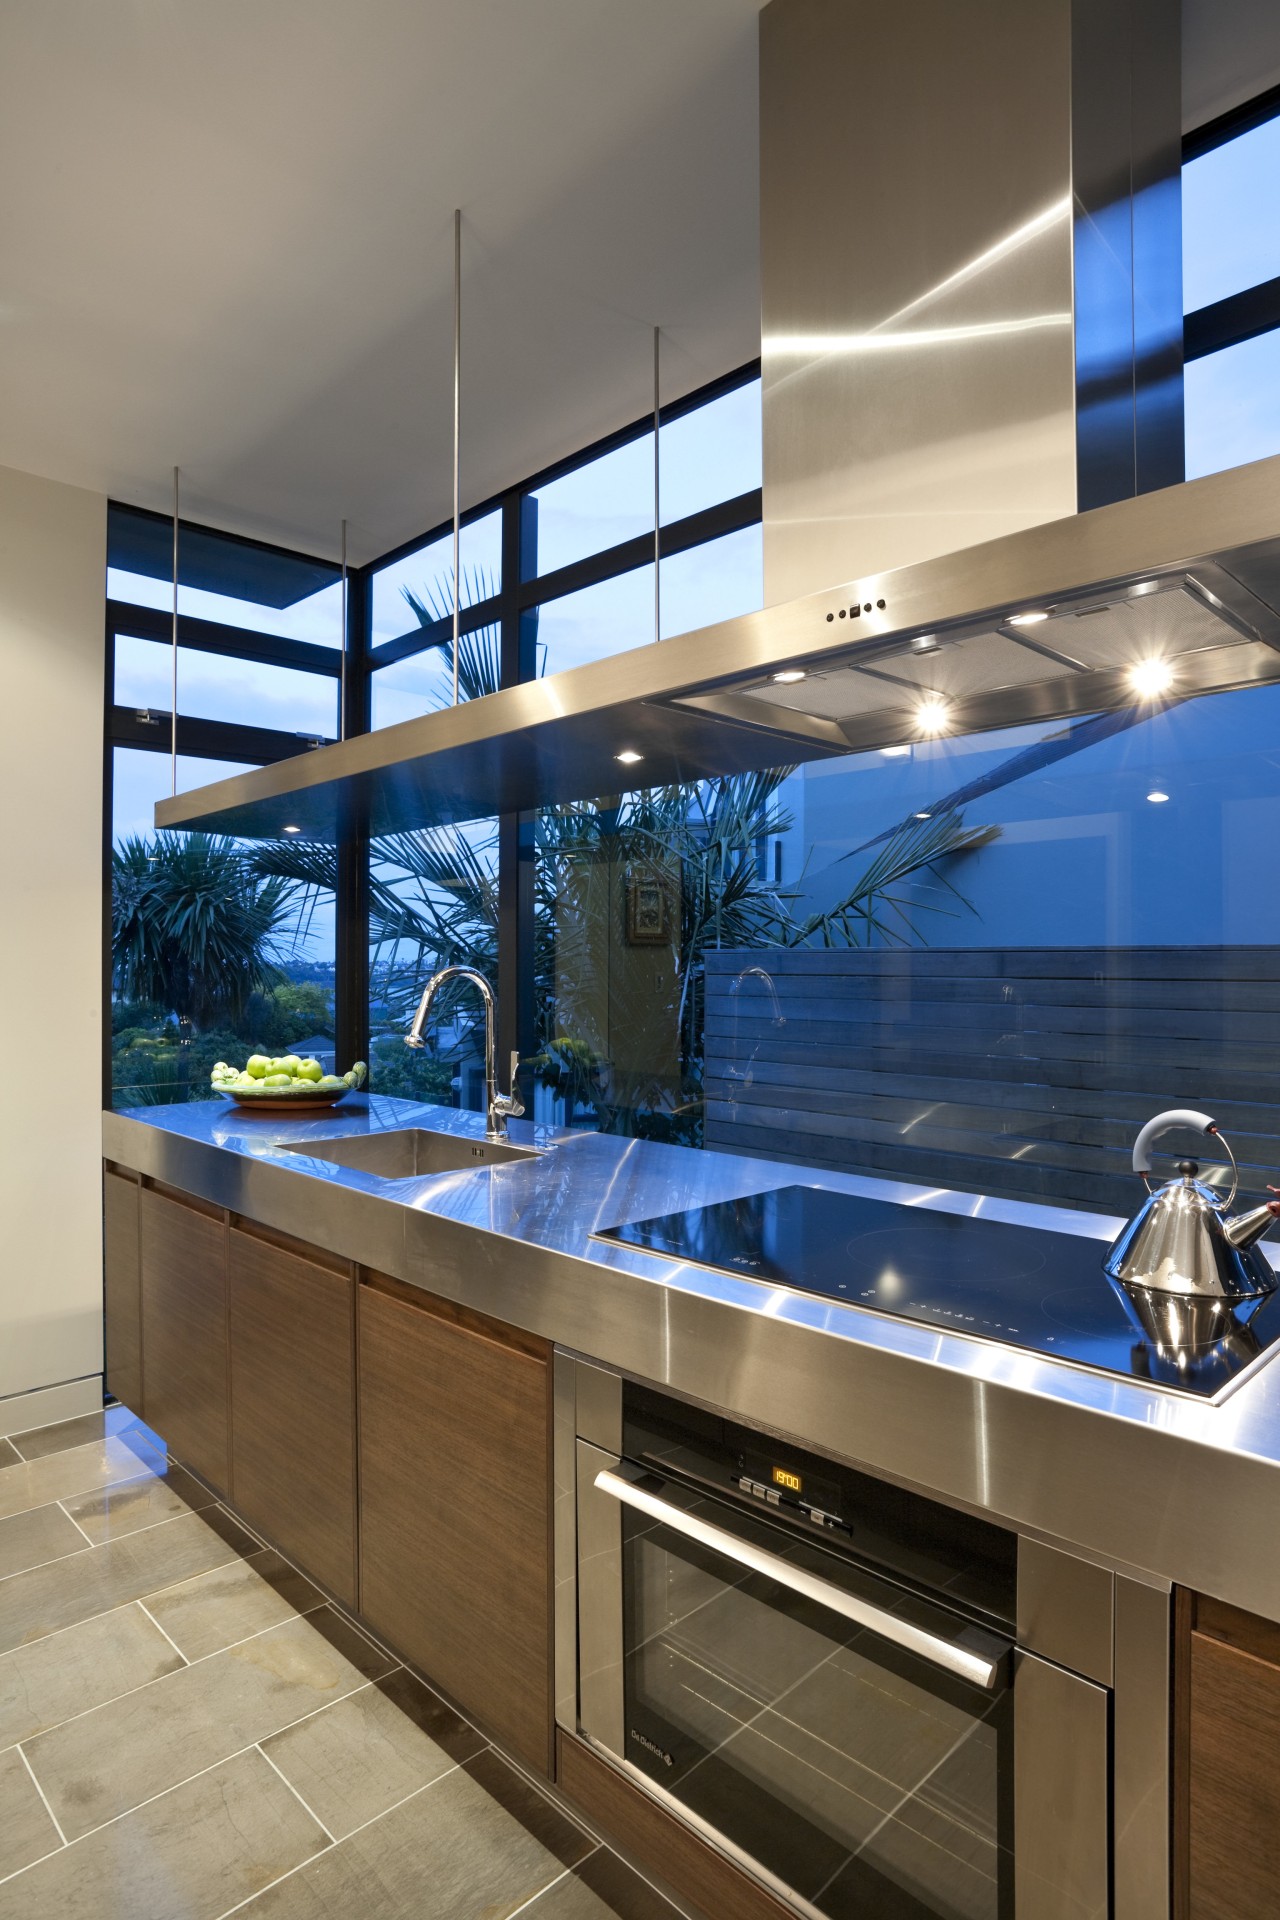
<point>782,1477</point>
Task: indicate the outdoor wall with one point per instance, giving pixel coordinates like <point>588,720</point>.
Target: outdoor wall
<point>52,572</point>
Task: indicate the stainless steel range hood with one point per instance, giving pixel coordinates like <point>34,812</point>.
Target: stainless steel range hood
<point>971,326</point>
<point>1189,576</point>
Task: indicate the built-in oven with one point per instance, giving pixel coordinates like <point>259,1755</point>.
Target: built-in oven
<point>833,1678</point>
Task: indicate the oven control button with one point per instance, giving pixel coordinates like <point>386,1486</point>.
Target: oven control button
<point>746,1483</point>
<point>772,1495</point>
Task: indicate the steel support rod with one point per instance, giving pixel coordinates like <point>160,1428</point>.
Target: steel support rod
<point>657,485</point>
<point>457,440</point>
<point>173,702</point>
<point>342,684</point>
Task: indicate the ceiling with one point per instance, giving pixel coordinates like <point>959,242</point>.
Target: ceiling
<point>226,238</point>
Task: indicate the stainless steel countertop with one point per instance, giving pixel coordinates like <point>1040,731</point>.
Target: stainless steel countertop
<point>1148,1481</point>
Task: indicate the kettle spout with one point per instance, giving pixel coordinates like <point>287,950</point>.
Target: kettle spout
<point>1246,1228</point>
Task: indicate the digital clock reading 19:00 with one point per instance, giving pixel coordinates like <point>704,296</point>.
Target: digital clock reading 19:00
<point>781,1478</point>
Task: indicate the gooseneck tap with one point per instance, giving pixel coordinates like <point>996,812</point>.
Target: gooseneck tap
<point>500,1106</point>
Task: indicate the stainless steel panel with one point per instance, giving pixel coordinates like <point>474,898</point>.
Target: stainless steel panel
<point>601,1712</point>
<point>1134,1476</point>
<point>1065,1609</point>
<point>565,1537</point>
<point>916,250</point>
<point>1061,1816</point>
<point>1142,1791</point>
<point>556,739</point>
<point>599,1406</point>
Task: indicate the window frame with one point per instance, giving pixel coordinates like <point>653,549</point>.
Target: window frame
<point>1253,310</point>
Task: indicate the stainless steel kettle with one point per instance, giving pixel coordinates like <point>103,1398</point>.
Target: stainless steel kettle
<point>1182,1241</point>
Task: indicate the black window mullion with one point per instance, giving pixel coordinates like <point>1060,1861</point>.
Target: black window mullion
<point>1227,323</point>
<point>485,613</point>
<point>210,636</point>
<point>149,729</point>
<point>695,530</point>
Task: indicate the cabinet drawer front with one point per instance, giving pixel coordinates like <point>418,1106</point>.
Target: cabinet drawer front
<point>455,1513</point>
<point>1234,1783</point>
<point>184,1332</point>
<point>293,1405</point>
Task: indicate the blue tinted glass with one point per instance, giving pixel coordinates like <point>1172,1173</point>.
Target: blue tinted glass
<point>1230,225</point>
<point>212,686</point>
<point>594,507</point>
<point>318,618</point>
<point>713,582</point>
<point>424,682</point>
<point>600,620</point>
<point>711,454</point>
<point>428,574</point>
<point>1232,403</point>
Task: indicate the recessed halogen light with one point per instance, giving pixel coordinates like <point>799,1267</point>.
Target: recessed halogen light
<point>1027,619</point>
<point>894,753</point>
<point>1150,678</point>
<point>1155,796</point>
<point>924,816</point>
<point>933,714</point>
<point>628,756</point>
<point>789,676</point>
<point>293,829</point>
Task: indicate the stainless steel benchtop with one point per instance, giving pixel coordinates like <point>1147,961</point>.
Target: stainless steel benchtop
<point>1143,1479</point>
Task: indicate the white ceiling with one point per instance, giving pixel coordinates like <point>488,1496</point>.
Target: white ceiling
<point>225,237</point>
<point>226,242</point>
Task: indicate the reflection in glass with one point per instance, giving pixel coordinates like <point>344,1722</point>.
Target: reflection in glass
<point>1230,235</point>
<point>219,950</point>
<point>419,587</point>
<point>1232,401</point>
<point>711,453</point>
<point>423,682</point>
<point>595,506</point>
<point>317,617</point>
<point>434,903</point>
<point>215,686</point>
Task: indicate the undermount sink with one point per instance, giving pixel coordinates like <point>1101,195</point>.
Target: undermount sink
<point>411,1153</point>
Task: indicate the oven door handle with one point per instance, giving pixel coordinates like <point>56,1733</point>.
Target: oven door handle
<point>981,1667</point>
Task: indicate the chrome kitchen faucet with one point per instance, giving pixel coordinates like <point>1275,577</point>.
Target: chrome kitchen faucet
<point>501,1107</point>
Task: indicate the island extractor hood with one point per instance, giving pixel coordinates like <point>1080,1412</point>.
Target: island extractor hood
<point>971,324</point>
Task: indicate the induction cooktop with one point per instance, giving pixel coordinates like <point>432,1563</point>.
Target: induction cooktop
<point>1025,1286</point>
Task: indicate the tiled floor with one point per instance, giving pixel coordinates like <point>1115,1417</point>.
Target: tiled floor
<point>188,1729</point>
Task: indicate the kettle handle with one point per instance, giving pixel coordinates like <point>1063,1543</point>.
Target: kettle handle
<point>1164,1123</point>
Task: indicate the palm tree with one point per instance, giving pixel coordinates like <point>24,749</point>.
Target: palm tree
<point>196,927</point>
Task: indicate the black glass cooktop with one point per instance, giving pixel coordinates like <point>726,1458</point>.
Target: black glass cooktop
<point>1025,1286</point>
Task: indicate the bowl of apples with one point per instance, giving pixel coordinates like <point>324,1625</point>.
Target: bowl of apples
<point>274,1085</point>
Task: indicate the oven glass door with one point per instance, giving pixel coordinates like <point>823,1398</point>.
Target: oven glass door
<point>861,1773</point>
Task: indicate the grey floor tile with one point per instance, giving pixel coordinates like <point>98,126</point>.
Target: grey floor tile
<point>135,1504</point>
<point>46,1599</point>
<point>453,1852</point>
<point>42,1441</point>
<point>603,1886</point>
<point>371,1750</point>
<point>29,1539</point>
<point>44,1684</point>
<point>26,1831</point>
<point>97,1767</point>
<point>57,1476</point>
<point>189,1855</point>
<point>8,1453</point>
<point>216,1609</point>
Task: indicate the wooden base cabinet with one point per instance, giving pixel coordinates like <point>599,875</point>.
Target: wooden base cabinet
<point>122,1284</point>
<point>293,1414</point>
<point>1228,1763</point>
<point>184,1330</point>
<point>455,1535</point>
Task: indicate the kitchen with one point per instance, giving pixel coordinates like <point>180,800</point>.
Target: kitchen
<point>756,1362</point>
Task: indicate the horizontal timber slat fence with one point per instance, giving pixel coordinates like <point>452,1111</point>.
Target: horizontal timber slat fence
<point>1019,1072</point>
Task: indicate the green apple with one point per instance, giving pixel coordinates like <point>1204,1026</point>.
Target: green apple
<point>259,1066</point>
<point>277,1080</point>
<point>310,1070</point>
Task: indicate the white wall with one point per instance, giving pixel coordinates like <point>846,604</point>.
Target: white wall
<point>52,574</point>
